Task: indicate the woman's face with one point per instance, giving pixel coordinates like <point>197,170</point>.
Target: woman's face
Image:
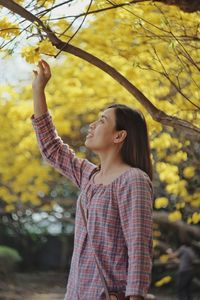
<point>102,133</point>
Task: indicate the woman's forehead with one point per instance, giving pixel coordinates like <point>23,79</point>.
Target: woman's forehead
<point>107,113</point>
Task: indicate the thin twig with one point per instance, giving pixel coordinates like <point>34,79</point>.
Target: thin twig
<point>88,9</point>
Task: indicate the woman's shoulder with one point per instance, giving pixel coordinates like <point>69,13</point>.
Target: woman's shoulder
<point>133,174</point>
<point>134,178</point>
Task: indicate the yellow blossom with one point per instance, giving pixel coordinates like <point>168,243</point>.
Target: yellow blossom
<point>31,54</point>
<point>9,208</point>
<point>46,207</point>
<point>167,172</point>
<point>178,188</point>
<point>175,216</point>
<point>164,258</point>
<point>155,243</point>
<point>195,218</point>
<point>189,172</point>
<point>46,47</point>
<point>46,3</point>
<point>163,281</point>
<point>180,205</point>
<point>195,203</point>
<point>156,233</point>
<point>161,202</point>
<point>8,29</point>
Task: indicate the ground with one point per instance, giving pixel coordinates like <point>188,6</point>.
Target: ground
<point>45,286</point>
<point>33,286</point>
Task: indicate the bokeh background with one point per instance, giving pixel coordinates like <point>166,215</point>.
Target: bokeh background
<point>153,45</point>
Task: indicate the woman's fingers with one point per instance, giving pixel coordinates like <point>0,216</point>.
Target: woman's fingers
<point>41,75</point>
<point>46,67</point>
<point>45,64</point>
<point>35,72</point>
<point>40,66</point>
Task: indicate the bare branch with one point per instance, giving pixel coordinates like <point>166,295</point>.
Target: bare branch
<point>178,88</point>
<point>45,11</point>
<point>77,28</point>
<point>103,9</point>
<point>187,5</point>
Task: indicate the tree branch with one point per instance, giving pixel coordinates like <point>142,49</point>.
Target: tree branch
<point>157,115</point>
<point>161,218</point>
<point>185,5</point>
<point>77,28</point>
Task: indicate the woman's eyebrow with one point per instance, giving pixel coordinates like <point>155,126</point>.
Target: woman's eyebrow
<point>103,116</point>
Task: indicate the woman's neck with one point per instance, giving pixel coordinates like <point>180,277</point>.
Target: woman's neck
<point>111,164</point>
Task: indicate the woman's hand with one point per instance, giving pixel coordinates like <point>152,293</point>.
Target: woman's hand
<point>41,76</point>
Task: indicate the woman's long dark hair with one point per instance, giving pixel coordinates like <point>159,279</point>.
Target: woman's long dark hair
<point>135,150</point>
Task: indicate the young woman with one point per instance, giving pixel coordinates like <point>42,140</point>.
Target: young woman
<point>116,198</point>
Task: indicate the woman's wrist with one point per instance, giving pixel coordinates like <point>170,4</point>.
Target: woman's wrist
<point>38,89</point>
<point>40,105</point>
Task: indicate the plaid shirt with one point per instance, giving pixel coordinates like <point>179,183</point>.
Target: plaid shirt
<point>119,222</point>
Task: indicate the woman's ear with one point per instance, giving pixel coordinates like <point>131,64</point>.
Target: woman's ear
<point>120,136</point>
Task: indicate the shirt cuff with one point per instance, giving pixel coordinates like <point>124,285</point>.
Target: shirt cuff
<point>135,292</point>
<point>41,120</point>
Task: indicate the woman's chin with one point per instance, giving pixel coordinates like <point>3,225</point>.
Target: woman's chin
<point>88,144</point>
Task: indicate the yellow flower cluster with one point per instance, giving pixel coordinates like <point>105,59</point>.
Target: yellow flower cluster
<point>164,258</point>
<point>46,3</point>
<point>175,216</point>
<point>167,172</point>
<point>177,157</point>
<point>155,243</point>
<point>156,233</point>
<point>9,208</point>
<point>46,47</point>
<point>189,172</point>
<point>32,53</point>
<point>194,219</point>
<point>8,29</point>
<point>194,199</point>
<point>6,195</point>
<point>165,140</point>
<point>163,281</point>
<point>180,205</point>
<point>161,202</point>
<point>178,188</point>
<point>47,207</point>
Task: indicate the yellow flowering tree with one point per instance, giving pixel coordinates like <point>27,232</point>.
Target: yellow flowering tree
<point>152,50</point>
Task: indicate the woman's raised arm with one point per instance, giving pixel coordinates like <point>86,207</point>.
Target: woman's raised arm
<point>41,77</point>
<point>57,153</point>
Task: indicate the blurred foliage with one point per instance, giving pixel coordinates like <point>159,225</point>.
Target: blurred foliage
<point>9,258</point>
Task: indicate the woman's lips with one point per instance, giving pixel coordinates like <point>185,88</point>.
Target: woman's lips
<point>89,136</point>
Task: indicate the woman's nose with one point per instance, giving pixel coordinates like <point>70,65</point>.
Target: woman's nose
<point>92,125</point>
